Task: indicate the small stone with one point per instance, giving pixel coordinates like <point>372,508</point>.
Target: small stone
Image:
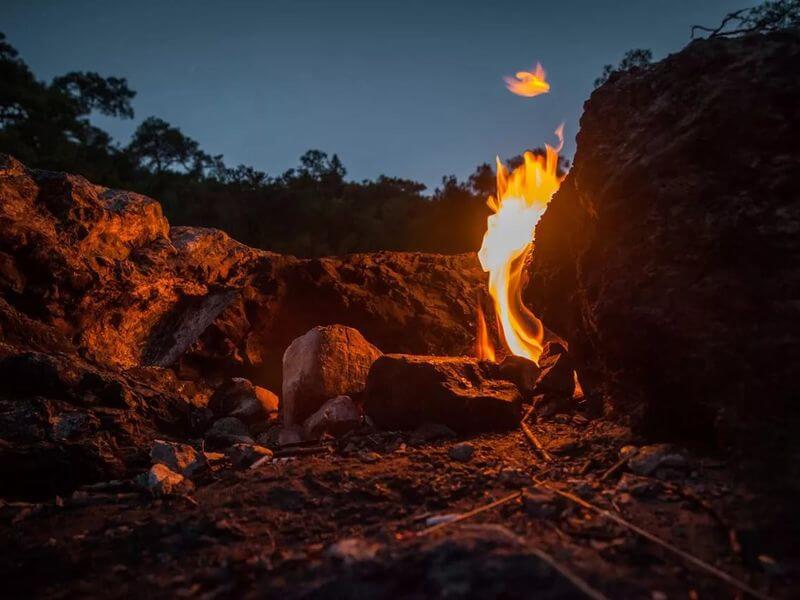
<point>162,481</point>
<point>228,431</point>
<point>369,457</point>
<point>354,550</point>
<point>244,455</point>
<point>520,371</point>
<point>181,458</point>
<point>324,363</point>
<point>290,435</point>
<point>650,458</point>
<point>239,398</point>
<point>635,485</point>
<point>462,452</point>
<point>557,377</point>
<point>336,417</point>
<point>627,451</point>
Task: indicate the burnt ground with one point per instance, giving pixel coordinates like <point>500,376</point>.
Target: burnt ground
<point>354,519</point>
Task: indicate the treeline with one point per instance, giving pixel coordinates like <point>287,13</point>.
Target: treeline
<point>310,210</point>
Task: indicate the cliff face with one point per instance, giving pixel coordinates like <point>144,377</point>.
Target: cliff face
<point>670,257</point>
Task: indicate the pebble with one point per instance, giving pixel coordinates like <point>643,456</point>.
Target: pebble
<point>462,452</point>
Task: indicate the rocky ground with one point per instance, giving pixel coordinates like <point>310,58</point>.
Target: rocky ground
<point>358,517</point>
<point>181,415</point>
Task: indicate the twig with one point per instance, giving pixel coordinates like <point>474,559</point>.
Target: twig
<point>733,538</point>
<point>535,441</point>
<point>617,466</point>
<point>698,562</point>
<point>470,514</point>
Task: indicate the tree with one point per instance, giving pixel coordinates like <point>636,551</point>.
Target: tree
<point>769,16</point>
<point>108,95</point>
<point>159,146</point>
<point>637,58</point>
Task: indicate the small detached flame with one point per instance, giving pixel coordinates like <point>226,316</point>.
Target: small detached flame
<point>528,84</point>
<point>522,197</point>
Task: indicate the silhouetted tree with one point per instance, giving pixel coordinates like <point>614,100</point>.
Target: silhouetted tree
<point>159,146</point>
<point>632,59</point>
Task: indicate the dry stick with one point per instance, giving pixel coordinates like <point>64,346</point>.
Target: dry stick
<point>470,514</point>
<point>698,562</point>
<point>535,441</point>
<point>617,466</point>
<point>541,554</point>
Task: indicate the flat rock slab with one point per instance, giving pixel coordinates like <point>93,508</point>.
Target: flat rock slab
<point>405,391</point>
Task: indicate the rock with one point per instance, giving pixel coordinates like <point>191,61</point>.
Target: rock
<point>461,452</point>
<point>354,550</point>
<point>286,436</point>
<point>650,458</point>
<point>336,417</point>
<point>181,458</point>
<point>405,391</point>
<point>162,481</point>
<point>520,371</point>
<point>244,455</point>
<point>251,404</point>
<point>557,376</point>
<point>673,273</point>
<point>325,362</point>
<point>228,431</point>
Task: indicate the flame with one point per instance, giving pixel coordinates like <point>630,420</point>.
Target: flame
<point>522,197</point>
<point>484,349</point>
<point>528,84</point>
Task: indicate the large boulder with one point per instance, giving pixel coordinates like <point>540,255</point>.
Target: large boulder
<point>670,257</point>
<point>465,394</point>
<point>324,363</point>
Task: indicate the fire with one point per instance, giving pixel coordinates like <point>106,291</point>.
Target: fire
<point>522,197</point>
<point>484,349</point>
<point>528,84</point>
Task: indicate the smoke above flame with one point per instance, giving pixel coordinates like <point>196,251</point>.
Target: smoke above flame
<point>528,83</point>
<point>522,197</point>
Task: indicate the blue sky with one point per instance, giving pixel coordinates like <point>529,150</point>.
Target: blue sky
<point>403,88</point>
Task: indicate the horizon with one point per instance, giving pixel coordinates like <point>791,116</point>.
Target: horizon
<point>417,94</point>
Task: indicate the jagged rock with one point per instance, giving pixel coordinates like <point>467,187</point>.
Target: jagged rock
<point>650,458</point>
<point>336,417</point>
<point>286,436</point>
<point>87,268</point>
<point>162,481</point>
<point>520,371</point>
<point>405,391</point>
<point>325,362</point>
<point>244,455</point>
<point>228,431</point>
<point>181,458</point>
<point>670,257</point>
<point>557,376</point>
<point>249,403</point>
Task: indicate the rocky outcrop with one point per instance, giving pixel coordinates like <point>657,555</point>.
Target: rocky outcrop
<point>670,257</point>
<point>117,328</point>
<point>105,272</point>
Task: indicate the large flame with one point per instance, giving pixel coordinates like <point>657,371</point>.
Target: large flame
<point>528,83</point>
<point>522,197</point>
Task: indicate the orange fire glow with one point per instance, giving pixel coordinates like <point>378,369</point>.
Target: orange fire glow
<point>522,197</point>
<point>484,349</point>
<point>528,83</point>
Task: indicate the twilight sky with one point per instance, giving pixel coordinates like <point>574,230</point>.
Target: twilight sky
<point>408,88</point>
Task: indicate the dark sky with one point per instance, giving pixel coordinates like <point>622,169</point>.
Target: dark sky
<point>402,87</point>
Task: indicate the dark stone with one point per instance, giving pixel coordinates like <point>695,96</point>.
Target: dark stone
<point>405,391</point>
